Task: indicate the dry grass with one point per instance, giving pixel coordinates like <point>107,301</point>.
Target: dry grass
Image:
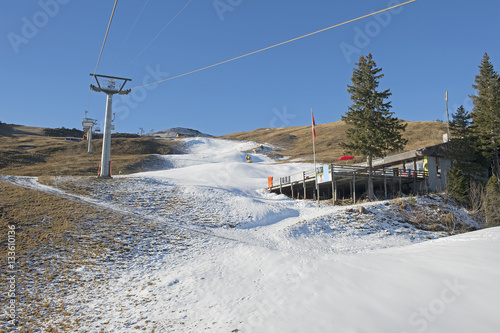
<point>47,249</point>
<point>28,153</point>
<point>297,141</point>
<point>429,217</point>
<point>56,236</point>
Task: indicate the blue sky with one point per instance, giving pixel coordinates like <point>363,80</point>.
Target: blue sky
<point>49,47</point>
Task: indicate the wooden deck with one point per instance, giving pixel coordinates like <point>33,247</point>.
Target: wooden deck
<point>348,182</point>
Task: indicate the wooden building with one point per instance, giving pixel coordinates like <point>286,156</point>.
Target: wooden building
<point>415,171</point>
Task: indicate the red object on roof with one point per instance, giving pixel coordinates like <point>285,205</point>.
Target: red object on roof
<point>346,157</point>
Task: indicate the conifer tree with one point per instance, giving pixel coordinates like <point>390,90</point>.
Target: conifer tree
<point>462,153</point>
<point>463,146</point>
<point>492,203</point>
<point>486,112</point>
<point>373,130</point>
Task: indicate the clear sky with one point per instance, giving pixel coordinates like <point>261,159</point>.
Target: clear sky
<point>49,48</point>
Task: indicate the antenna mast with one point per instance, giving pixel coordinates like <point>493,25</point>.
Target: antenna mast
<point>447,117</point>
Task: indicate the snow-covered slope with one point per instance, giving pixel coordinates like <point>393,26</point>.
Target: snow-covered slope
<point>446,285</point>
<point>261,262</point>
<point>289,276</point>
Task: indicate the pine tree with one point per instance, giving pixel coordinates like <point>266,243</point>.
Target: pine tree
<point>373,130</point>
<point>492,203</point>
<point>458,185</point>
<point>463,149</point>
<point>486,112</point>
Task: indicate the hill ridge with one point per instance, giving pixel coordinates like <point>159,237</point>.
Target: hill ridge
<point>296,141</point>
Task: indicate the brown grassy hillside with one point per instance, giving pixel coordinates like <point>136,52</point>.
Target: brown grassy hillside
<point>297,141</point>
<point>26,151</point>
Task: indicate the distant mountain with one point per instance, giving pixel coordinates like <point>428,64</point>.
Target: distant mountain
<point>179,132</point>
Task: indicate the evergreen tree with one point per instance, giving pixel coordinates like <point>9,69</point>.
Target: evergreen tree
<point>486,112</point>
<point>373,130</point>
<point>467,161</point>
<point>458,185</point>
<point>463,146</point>
<point>492,203</point>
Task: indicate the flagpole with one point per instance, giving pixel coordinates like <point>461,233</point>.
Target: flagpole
<point>314,153</point>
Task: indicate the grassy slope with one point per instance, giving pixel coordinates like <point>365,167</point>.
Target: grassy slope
<point>27,152</point>
<point>48,248</point>
<point>55,236</point>
<point>297,141</point>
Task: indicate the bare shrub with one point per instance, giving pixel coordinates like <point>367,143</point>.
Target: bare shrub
<point>450,221</point>
<point>401,204</point>
<point>476,201</point>
<point>412,201</point>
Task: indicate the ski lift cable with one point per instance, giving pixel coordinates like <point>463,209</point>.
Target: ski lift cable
<point>105,36</point>
<point>279,44</point>
<point>154,38</point>
<point>157,35</point>
<point>131,29</point>
<point>102,48</point>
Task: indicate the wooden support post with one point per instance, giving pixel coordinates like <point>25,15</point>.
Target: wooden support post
<point>425,183</point>
<point>334,192</point>
<point>350,189</point>
<point>291,185</point>
<point>281,185</point>
<point>332,177</point>
<point>304,182</point>
<point>354,186</point>
<point>399,178</point>
<point>414,182</point>
<point>385,185</point>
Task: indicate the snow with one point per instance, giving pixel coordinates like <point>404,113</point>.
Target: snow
<point>261,262</point>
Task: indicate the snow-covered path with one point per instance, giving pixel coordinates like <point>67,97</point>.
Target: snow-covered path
<point>260,262</point>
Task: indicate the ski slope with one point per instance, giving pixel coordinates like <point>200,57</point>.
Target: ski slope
<point>277,278</point>
<point>261,262</point>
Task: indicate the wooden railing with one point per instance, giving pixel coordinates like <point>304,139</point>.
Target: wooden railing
<point>349,169</point>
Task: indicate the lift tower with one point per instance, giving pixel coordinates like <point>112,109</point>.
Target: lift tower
<point>109,90</point>
<point>88,125</point>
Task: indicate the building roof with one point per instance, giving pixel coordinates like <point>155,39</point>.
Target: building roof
<point>439,150</point>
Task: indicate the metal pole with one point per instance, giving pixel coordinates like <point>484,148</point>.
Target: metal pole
<point>104,170</point>
<point>89,138</point>
<point>106,139</point>
<point>447,116</point>
<point>316,189</point>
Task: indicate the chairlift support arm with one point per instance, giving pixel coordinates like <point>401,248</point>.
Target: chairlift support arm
<point>110,91</point>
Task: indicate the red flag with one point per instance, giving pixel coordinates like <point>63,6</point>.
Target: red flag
<point>313,126</point>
